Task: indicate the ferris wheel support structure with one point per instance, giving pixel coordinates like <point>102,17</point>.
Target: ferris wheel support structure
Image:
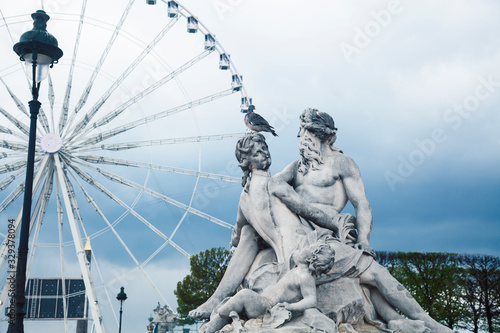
<point>80,253</point>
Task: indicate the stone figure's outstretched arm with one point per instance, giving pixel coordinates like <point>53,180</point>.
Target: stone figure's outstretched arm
<point>287,175</point>
<point>280,186</point>
<point>355,190</point>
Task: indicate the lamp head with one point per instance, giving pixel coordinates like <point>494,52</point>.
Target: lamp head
<point>121,295</point>
<point>38,45</point>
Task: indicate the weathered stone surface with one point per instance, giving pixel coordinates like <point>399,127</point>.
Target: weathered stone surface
<point>295,326</point>
<point>407,325</point>
<point>315,319</point>
<point>299,325</point>
<point>346,328</point>
<point>358,328</point>
<point>342,300</point>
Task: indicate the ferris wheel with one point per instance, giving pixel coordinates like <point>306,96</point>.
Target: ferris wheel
<point>131,145</point>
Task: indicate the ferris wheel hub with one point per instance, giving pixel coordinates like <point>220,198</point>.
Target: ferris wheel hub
<point>51,143</point>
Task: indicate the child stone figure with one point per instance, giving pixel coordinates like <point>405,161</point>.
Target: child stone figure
<point>295,291</point>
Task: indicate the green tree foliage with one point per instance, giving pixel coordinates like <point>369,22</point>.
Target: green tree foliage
<point>472,297</point>
<point>434,281</point>
<point>483,272</point>
<point>459,290</point>
<point>207,269</point>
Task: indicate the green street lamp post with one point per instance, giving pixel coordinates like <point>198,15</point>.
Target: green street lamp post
<point>121,297</point>
<point>39,50</point>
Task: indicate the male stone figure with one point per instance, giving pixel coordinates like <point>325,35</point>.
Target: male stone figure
<point>324,177</point>
<point>327,179</point>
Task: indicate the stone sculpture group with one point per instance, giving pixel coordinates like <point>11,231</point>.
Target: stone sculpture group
<point>302,264</point>
<point>165,319</point>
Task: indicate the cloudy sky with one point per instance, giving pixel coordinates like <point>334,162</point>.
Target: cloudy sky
<point>413,86</point>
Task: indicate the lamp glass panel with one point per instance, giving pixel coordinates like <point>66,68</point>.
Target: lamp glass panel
<point>42,66</point>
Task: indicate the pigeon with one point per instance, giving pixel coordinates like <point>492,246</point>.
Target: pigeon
<point>257,123</point>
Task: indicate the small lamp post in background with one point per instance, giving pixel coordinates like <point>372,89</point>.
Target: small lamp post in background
<point>121,297</point>
<point>39,50</point>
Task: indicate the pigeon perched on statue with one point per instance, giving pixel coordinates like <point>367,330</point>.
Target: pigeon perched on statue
<point>257,123</point>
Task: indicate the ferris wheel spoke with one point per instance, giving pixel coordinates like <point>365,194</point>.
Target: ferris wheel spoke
<point>74,202</point>
<point>10,132</point>
<point>23,128</point>
<point>118,278</point>
<point>163,197</point>
<point>44,121</point>
<point>87,178</point>
<point>162,142</point>
<point>72,199</point>
<point>12,197</point>
<point>86,92</point>
<point>39,214</point>
<point>16,100</point>
<point>60,217</point>
<point>94,205</point>
<point>151,257</point>
<point>10,155</point>
<point>37,181</point>
<point>10,179</point>
<point>51,98</point>
<point>106,291</point>
<point>116,161</point>
<point>75,231</point>
<point>111,133</point>
<point>89,115</point>
<point>20,188</point>
<point>65,109</point>
<point>114,114</point>
<point>19,164</point>
<point>44,197</point>
<point>7,27</point>
<point>13,146</point>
